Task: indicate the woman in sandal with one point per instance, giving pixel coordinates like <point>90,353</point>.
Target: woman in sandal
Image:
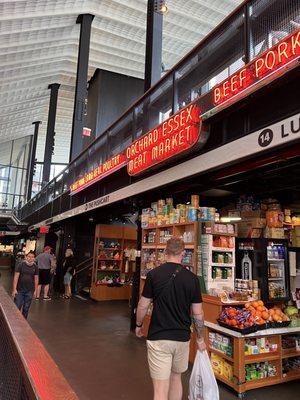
<point>69,271</point>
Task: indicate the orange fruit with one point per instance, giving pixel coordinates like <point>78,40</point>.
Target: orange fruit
<point>265,315</point>
<point>276,317</point>
<point>260,321</point>
<point>260,303</point>
<point>260,308</point>
<point>272,311</point>
<point>278,311</point>
<point>255,304</point>
<point>233,322</point>
<point>247,305</point>
<point>258,314</point>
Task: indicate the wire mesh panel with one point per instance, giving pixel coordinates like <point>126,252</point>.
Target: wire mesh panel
<point>11,385</point>
<point>271,21</point>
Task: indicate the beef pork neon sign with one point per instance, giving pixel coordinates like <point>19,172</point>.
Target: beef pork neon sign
<point>267,63</point>
<point>174,136</point>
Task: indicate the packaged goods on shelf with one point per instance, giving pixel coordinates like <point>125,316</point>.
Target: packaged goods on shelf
<point>221,343</point>
<point>221,366</point>
<point>247,231</point>
<point>261,370</point>
<point>291,365</point>
<point>274,218</point>
<point>259,346</point>
<point>291,342</point>
<point>274,233</point>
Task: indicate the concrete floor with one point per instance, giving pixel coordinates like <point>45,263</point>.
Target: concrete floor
<point>100,358</point>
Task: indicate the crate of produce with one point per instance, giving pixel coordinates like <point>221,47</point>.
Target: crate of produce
<point>243,331</point>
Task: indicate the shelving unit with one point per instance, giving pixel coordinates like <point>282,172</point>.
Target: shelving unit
<point>152,254</point>
<point>218,262</point>
<point>240,360</point>
<point>112,261</point>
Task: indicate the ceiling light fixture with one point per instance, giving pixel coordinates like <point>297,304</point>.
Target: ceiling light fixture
<point>160,6</point>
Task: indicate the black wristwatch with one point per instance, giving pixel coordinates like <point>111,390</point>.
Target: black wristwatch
<point>139,326</point>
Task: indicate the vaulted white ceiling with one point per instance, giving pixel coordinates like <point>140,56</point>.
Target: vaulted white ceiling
<point>39,46</point>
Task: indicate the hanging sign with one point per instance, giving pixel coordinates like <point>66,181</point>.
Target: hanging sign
<point>111,165</point>
<point>44,229</point>
<point>86,132</point>
<point>172,137</point>
<point>267,63</point>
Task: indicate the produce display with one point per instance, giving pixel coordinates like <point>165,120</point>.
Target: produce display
<point>253,314</point>
<point>260,371</point>
<point>239,318</point>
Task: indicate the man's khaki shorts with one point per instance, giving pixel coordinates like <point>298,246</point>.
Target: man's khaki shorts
<point>166,356</point>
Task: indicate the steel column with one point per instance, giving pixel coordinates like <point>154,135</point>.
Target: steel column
<point>50,132</point>
<point>80,103</point>
<point>153,59</point>
<point>32,159</point>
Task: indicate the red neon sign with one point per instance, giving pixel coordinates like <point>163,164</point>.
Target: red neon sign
<point>44,229</point>
<point>172,137</point>
<point>267,63</point>
<point>107,168</point>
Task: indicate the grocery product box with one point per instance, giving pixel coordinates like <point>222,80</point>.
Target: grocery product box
<point>227,371</point>
<point>274,233</point>
<point>217,363</point>
<point>247,231</point>
<point>253,214</point>
<point>254,222</point>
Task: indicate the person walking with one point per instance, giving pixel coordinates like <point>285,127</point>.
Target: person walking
<point>25,283</point>
<point>44,262</point>
<point>69,271</point>
<point>175,294</point>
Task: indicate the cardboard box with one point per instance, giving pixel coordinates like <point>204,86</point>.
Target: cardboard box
<point>274,233</point>
<point>254,222</point>
<point>253,214</point>
<point>246,231</point>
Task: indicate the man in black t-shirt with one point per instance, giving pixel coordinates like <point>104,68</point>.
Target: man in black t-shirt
<point>175,294</point>
<point>25,283</point>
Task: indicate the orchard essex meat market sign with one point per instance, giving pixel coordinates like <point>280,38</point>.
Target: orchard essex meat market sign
<point>170,138</point>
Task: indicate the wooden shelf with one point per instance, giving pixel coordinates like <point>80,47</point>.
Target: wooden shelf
<point>286,353</point>
<point>224,380</point>
<point>291,376</point>
<point>223,249</point>
<point>170,225</point>
<point>108,270</point>
<point>149,246</point>
<point>219,353</point>
<point>261,357</point>
<point>110,248</point>
<point>222,234</point>
<point>109,259</point>
<point>222,265</point>
<point>257,383</point>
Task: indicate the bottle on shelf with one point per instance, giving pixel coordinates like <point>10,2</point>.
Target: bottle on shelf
<point>246,267</point>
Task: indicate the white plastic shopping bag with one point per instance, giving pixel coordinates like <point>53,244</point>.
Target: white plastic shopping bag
<point>203,384</point>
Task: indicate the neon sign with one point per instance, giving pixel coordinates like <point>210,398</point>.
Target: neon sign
<point>172,137</point>
<point>107,168</point>
<point>267,63</point>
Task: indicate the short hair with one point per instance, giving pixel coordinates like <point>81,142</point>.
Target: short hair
<point>175,246</point>
<point>31,252</point>
<point>70,251</point>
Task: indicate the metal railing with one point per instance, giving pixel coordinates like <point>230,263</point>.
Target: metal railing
<point>27,372</point>
<point>250,30</point>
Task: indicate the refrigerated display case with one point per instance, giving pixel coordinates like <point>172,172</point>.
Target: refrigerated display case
<point>265,260</point>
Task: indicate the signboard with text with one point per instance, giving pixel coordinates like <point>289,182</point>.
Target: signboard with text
<point>183,130</point>
<point>172,137</point>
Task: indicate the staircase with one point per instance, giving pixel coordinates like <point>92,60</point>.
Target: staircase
<point>83,277</point>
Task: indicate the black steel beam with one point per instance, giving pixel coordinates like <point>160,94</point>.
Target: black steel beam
<point>153,61</point>
<point>32,158</point>
<point>80,103</point>
<point>49,145</point>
